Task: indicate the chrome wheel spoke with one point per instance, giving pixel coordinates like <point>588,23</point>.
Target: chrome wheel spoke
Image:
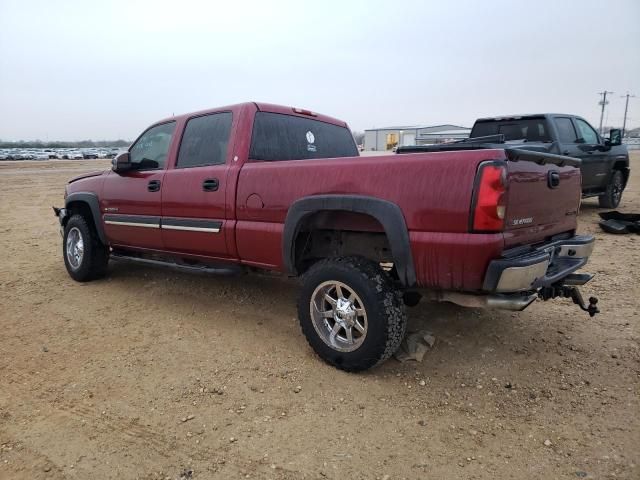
<point>330,299</point>
<point>349,332</point>
<point>334,332</point>
<point>358,326</point>
<point>339,291</point>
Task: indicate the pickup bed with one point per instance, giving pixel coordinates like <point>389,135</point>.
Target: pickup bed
<point>604,161</point>
<point>264,187</point>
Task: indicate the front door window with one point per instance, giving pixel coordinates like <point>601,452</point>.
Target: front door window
<point>151,150</point>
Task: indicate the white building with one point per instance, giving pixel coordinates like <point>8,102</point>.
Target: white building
<point>381,139</point>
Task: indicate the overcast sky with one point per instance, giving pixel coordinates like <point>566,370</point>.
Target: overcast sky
<point>72,70</point>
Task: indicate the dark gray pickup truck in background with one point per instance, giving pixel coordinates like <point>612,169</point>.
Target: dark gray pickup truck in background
<point>604,161</point>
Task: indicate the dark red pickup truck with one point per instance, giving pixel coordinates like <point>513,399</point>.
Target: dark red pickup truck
<point>258,186</point>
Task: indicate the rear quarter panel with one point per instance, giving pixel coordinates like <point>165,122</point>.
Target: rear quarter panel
<point>432,189</point>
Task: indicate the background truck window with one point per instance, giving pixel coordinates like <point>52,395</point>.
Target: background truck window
<point>287,137</point>
<point>587,133</point>
<point>205,141</point>
<point>566,131</point>
<point>529,129</point>
<point>150,151</point>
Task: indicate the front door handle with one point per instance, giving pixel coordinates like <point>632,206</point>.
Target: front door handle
<point>154,186</point>
<point>210,185</point>
<point>566,152</point>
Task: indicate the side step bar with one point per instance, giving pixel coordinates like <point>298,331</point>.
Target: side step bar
<point>226,270</point>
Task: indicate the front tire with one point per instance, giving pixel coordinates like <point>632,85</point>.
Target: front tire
<point>351,313</point>
<point>612,196</point>
<point>85,257</point>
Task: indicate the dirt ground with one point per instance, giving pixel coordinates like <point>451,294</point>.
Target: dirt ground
<point>154,374</point>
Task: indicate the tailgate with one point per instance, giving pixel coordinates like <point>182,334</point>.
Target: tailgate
<point>543,196</point>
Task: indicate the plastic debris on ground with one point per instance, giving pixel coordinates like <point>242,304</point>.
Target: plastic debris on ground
<point>415,346</point>
<point>620,223</point>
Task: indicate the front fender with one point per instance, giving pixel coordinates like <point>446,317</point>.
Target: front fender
<point>90,199</point>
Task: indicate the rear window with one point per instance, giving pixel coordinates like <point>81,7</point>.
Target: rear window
<point>286,137</point>
<point>529,129</point>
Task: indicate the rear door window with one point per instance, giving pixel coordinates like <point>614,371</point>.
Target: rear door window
<point>205,141</point>
<point>566,130</point>
<point>287,137</point>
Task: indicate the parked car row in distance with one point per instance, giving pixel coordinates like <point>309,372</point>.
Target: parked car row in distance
<point>57,153</point>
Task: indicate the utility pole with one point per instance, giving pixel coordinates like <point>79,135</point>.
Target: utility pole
<point>603,102</point>
<point>626,107</point>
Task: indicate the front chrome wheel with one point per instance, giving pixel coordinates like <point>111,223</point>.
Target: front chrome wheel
<point>74,248</point>
<point>338,316</point>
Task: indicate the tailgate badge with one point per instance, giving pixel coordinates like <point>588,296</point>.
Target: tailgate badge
<point>522,221</point>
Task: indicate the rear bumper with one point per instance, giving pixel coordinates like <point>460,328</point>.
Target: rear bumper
<point>543,266</point>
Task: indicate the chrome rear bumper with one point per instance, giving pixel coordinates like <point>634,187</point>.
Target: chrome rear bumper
<point>524,269</point>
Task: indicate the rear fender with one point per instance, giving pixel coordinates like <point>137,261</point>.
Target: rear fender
<point>388,214</point>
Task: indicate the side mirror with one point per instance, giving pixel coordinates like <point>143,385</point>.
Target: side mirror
<point>121,163</point>
<point>615,137</point>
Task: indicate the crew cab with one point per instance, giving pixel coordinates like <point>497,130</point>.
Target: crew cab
<point>256,186</point>
<point>604,162</point>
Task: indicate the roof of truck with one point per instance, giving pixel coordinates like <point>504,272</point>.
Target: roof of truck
<point>525,115</point>
<point>263,107</point>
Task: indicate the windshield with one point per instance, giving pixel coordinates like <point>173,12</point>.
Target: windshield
<point>525,129</point>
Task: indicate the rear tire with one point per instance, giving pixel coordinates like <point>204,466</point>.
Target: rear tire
<point>85,256</point>
<point>612,196</point>
<point>351,313</point>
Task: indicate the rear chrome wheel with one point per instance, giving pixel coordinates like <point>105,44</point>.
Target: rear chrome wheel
<point>339,316</point>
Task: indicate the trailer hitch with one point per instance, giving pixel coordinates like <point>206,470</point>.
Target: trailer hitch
<point>572,292</point>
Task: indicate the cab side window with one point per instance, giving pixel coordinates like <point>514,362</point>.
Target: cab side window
<point>205,141</point>
<point>151,150</point>
<point>566,131</point>
<point>587,132</point>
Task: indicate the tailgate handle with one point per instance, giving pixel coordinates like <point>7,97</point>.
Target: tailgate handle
<point>553,179</point>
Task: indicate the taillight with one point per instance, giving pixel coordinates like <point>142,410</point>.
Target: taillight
<point>489,207</point>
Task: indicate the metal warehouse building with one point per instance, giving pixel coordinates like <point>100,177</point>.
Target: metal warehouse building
<point>381,139</point>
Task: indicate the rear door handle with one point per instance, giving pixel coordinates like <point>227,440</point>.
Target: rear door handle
<point>154,186</point>
<point>210,185</point>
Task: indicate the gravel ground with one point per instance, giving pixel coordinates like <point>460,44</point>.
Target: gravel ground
<point>153,374</point>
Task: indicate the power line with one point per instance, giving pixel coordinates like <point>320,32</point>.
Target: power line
<point>604,103</point>
<point>626,107</point>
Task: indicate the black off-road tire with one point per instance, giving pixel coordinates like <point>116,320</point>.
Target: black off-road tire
<point>382,300</point>
<point>612,196</point>
<point>95,256</point>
